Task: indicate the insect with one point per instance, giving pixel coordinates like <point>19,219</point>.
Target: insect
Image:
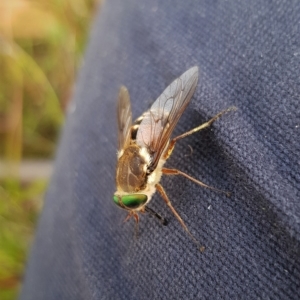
<point>145,145</point>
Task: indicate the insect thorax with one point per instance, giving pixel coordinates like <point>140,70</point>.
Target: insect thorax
<point>131,170</point>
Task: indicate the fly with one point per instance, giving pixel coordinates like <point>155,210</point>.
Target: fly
<point>145,145</point>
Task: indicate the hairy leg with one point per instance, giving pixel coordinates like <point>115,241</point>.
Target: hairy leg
<point>168,202</point>
<point>205,125</point>
<point>177,172</point>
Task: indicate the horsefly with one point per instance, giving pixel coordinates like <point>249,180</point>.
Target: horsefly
<point>145,146</point>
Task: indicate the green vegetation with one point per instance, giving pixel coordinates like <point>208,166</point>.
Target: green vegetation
<point>41,45</point>
<point>20,204</point>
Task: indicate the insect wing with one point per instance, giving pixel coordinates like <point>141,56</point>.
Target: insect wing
<point>124,117</point>
<point>158,123</point>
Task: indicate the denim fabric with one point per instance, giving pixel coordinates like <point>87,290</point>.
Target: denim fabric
<point>248,53</point>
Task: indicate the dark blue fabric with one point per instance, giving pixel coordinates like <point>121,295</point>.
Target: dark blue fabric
<point>248,53</point>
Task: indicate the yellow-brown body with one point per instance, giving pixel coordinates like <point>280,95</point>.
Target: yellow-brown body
<point>131,174</point>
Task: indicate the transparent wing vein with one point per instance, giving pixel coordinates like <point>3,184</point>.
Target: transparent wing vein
<point>159,122</point>
<point>124,117</point>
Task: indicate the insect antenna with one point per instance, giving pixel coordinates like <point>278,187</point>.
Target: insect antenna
<point>155,214</point>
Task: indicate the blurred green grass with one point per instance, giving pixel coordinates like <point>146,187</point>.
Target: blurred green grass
<point>41,46</point>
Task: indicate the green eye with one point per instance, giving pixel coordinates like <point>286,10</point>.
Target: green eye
<point>131,201</point>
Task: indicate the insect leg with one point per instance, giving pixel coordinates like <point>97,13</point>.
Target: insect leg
<point>168,202</point>
<point>136,229</point>
<point>202,126</point>
<point>136,218</point>
<point>206,124</point>
<point>177,172</point>
<point>155,214</point>
<point>127,217</point>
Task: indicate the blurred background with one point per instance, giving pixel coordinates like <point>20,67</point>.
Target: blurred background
<point>41,48</point>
